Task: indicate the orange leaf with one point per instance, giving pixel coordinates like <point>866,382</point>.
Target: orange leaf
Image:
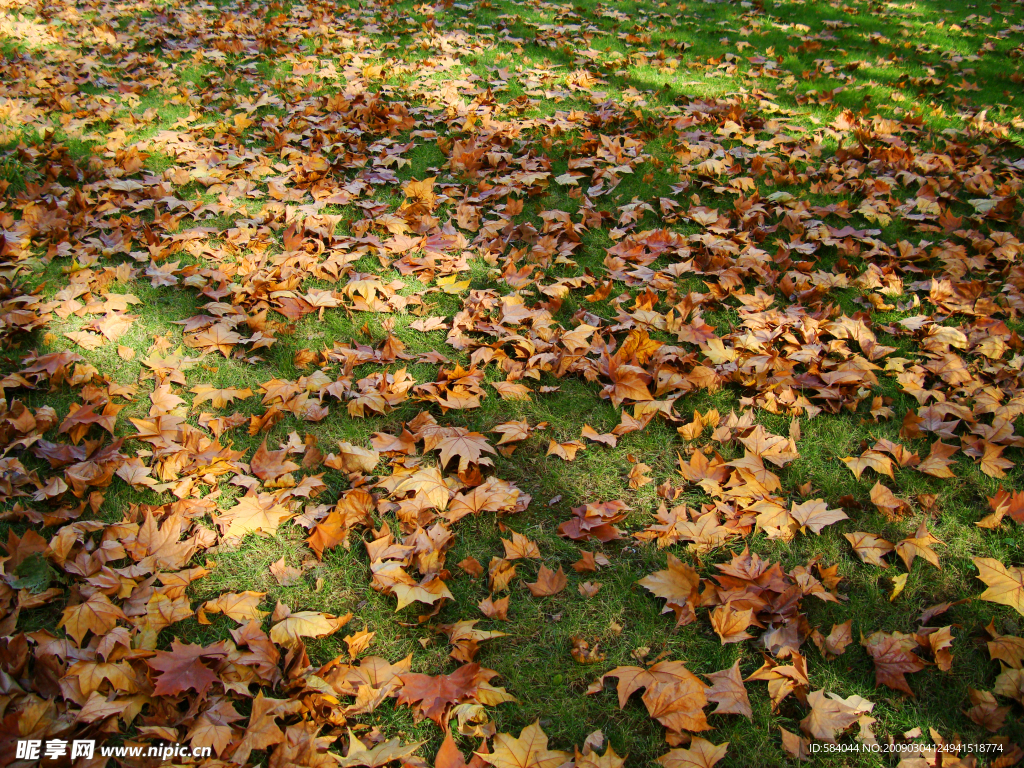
<point>548,582</point>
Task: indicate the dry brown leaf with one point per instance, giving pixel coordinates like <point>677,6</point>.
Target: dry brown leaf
<point>495,609</point>
<point>1005,584</point>
<point>520,547</point>
<point>679,585</point>
<point>919,545</point>
<point>700,754</point>
<point>870,548</point>
<point>565,451</point>
<point>548,582</point>
<point>358,642</point>
<point>729,692</point>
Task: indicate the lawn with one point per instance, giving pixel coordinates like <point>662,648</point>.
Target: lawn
<point>594,382</point>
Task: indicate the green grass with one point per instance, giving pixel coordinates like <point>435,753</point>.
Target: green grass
<point>175,85</point>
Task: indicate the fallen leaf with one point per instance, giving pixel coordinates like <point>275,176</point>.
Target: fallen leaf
<point>679,585</point>
<point>919,545</point>
<point>548,582</point>
<point>520,547</point>
<point>700,754</point>
<point>729,693</point>
<point>870,548</point>
<point>284,574</point>
<point>184,668</point>
<point>306,624</point>
<point>1005,584</point>
<point>530,750</point>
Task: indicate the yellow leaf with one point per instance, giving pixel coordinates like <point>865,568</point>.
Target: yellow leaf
<point>898,585</point>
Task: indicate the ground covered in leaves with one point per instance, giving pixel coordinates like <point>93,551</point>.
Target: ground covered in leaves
<point>385,384</point>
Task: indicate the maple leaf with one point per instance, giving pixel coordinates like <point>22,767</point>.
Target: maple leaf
<point>594,521</point>
<point>780,451</point>
<point>530,750</point>
<point>986,712</point>
<point>381,754</point>
<point>887,503</point>
<point>213,727</point>
<point>869,548</point>
<point>218,398</point>
<point>899,583</point>
<point>253,514</point>
<point>512,432</point>
<point>679,585</point>
<point>449,756</point>
<point>869,460</point>
<point>1006,648</point>
<point>589,589</point>
<point>303,746</point>
<point>86,340</point>
<point>289,630</point>
<point>835,643</point>
<point>284,574</point>
<point>161,544</point>
<point>330,532</point>
<point>589,433</point>
<point>182,668</point>
<point>1007,503</point>
<point>565,451</point>
<point>700,754</point>
<point>271,465</point>
<point>494,609</point>
<point>815,514</point>
<point>427,324</point>
<point>352,458</point>
<point>358,642</point>
<point>589,562</point>
<point>577,340</point>
<point>752,468</point>
<point>421,191</point>
<point>992,463</point>
<point>466,638</point>
<point>593,760</point>
<point>393,445</point>
<point>241,606</point>
<point>500,573</point>
<point>520,547</point>
<point>700,467</point>
<point>429,483</point>
<point>674,696</point>
<point>469,447</point>
<point>548,582</point>
<point>396,581</point>
<point>97,615</point>
<point>218,337</point>
<point>894,657</point>
<point>637,478</point>
<point>940,641</point>
<point>938,460</point>
<point>493,495</point>
<point>730,624</point>
<point>729,693</point>
<point>1005,584</point>
<point>919,545</point>
<point>82,416</point>
<point>433,696</point>
<point>511,390</point>
<point>831,715</point>
<point>796,747</point>
<point>1010,683</point>
<point>262,731</point>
